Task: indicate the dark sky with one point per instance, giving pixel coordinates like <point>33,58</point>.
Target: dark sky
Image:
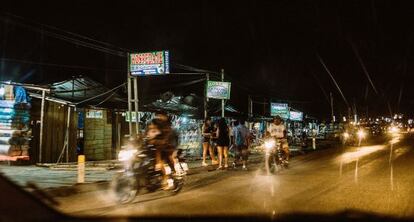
<point>267,48</point>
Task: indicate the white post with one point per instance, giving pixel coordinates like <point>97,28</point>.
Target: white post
<point>314,143</point>
<point>222,101</point>
<point>136,105</point>
<point>81,168</point>
<point>67,135</point>
<point>42,117</point>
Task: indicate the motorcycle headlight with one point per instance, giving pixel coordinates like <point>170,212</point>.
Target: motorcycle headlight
<point>269,144</point>
<point>361,134</point>
<point>125,155</point>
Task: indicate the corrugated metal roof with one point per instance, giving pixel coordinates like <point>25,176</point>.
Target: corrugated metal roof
<point>81,88</point>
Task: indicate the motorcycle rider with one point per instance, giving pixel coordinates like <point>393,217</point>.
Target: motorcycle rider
<point>278,131</point>
<point>161,134</point>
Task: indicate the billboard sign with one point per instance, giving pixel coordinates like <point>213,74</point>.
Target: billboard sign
<point>218,90</point>
<point>296,116</point>
<point>279,109</point>
<point>149,63</point>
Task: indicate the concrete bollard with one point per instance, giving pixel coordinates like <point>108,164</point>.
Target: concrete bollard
<point>81,169</point>
<point>314,143</point>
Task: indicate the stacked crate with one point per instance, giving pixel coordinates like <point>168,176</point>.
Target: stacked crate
<point>14,126</point>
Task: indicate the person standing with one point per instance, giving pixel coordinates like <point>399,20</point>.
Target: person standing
<point>223,141</point>
<point>207,130</point>
<point>241,140</point>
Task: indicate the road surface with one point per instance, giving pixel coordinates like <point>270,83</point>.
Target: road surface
<point>376,179</point>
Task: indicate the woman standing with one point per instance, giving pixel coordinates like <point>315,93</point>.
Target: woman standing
<point>207,130</point>
<point>223,142</point>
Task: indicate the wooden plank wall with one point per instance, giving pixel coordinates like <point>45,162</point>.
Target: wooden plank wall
<point>55,120</point>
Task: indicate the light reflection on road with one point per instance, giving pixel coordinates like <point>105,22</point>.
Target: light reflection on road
<point>352,156</point>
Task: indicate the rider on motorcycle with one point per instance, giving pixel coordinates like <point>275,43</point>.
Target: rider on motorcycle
<point>278,131</point>
<point>161,135</point>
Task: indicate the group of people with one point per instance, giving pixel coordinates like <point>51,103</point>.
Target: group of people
<point>220,136</point>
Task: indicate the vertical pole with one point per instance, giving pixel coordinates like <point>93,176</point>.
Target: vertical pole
<point>222,101</point>
<point>81,168</point>
<point>249,104</point>
<point>67,135</point>
<point>314,142</point>
<point>136,105</point>
<point>332,109</point>
<point>42,117</point>
<point>205,96</point>
<point>129,99</point>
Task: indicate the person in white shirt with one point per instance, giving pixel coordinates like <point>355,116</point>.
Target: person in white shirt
<point>278,130</point>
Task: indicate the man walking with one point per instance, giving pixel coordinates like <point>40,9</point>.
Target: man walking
<point>241,141</point>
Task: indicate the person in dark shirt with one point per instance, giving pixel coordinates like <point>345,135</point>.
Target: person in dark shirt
<point>207,131</point>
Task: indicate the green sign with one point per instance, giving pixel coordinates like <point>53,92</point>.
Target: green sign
<point>279,109</point>
<point>133,116</point>
<point>218,90</point>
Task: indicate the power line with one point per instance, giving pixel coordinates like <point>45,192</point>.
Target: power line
<point>11,60</point>
<point>363,66</point>
<point>117,52</point>
<point>333,79</point>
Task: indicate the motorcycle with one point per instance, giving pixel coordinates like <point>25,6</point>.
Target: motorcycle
<point>275,156</point>
<point>140,174</point>
<point>353,138</point>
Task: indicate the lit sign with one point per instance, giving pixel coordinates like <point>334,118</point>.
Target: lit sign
<point>279,109</point>
<point>149,63</point>
<point>218,90</point>
<point>296,116</point>
<point>94,114</point>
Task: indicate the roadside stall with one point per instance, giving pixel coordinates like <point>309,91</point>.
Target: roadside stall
<point>15,130</point>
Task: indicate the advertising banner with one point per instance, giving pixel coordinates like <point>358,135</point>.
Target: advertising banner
<point>218,90</point>
<point>296,116</point>
<point>149,63</point>
<point>279,109</point>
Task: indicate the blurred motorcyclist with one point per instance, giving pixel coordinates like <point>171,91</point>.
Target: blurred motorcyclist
<point>278,131</point>
<point>160,134</point>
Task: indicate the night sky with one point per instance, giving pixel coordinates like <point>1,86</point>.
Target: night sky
<point>270,49</point>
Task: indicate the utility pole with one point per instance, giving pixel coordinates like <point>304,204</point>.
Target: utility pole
<point>222,101</point>
<point>129,99</point>
<point>250,107</point>
<point>205,96</point>
<point>332,109</point>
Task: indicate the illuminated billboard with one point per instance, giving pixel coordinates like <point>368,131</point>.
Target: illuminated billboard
<point>218,90</point>
<point>149,63</point>
<point>279,109</point>
<point>296,116</point>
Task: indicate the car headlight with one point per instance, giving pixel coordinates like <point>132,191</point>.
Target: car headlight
<point>346,135</point>
<point>394,129</point>
<point>269,144</point>
<point>125,155</point>
<point>361,134</point>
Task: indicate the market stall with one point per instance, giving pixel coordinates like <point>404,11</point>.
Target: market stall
<point>15,131</point>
